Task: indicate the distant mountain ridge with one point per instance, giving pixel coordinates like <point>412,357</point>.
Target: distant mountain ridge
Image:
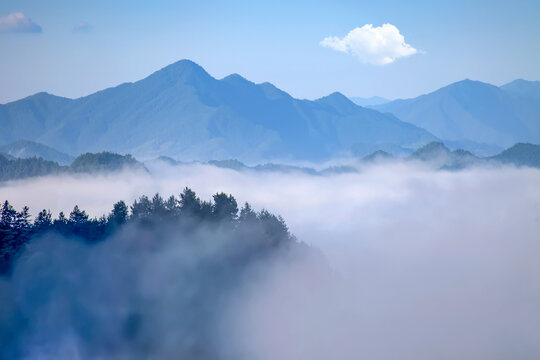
<point>370,101</point>
<point>521,155</point>
<point>434,155</point>
<point>27,149</point>
<point>524,88</point>
<point>183,112</point>
<point>104,162</point>
<point>438,155</point>
<point>475,112</point>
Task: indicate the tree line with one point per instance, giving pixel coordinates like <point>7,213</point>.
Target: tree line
<point>186,213</point>
<point>17,168</point>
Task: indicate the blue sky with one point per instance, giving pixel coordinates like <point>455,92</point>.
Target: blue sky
<point>73,48</point>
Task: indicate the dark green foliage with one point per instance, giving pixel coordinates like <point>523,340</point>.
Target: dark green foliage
<point>104,161</point>
<point>225,207</point>
<point>193,254</point>
<point>15,168</point>
<point>77,216</point>
<point>190,204</point>
<point>23,168</point>
<point>257,232</point>
<point>247,214</point>
<point>119,214</point>
<point>15,231</point>
<point>43,221</point>
<point>142,208</point>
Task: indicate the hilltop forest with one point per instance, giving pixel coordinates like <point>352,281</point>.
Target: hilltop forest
<point>198,252</point>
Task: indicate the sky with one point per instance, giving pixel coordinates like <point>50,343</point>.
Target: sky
<point>388,48</point>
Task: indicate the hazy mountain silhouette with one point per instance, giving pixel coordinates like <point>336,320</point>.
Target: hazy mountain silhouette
<point>183,112</point>
<point>434,155</point>
<point>472,111</point>
<point>378,156</point>
<point>27,149</point>
<point>104,162</point>
<point>524,88</point>
<point>438,155</point>
<point>521,155</point>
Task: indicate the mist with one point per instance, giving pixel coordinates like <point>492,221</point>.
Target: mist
<point>415,263</point>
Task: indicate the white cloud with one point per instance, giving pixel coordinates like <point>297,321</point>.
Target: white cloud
<point>18,22</point>
<point>372,45</point>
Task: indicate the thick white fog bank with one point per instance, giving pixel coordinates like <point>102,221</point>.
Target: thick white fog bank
<point>425,264</point>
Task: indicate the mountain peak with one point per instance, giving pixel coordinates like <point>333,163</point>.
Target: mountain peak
<point>336,95</point>
<point>42,97</point>
<point>339,102</point>
<point>467,88</point>
<point>335,98</point>
<point>520,82</point>
<point>182,69</point>
<point>183,112</point>
<point>184,64</point>
<point>468,82</point>
<point>236,79</point>
<point>430,150</point>
<point>272,91</point>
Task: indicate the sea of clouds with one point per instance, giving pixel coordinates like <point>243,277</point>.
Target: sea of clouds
<point>419,264</point>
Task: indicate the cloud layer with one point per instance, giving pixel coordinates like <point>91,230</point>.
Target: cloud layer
<point>18,23</point>
<point>372,45</point>
<point>425,264</point>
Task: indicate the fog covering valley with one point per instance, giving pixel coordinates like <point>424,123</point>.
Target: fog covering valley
<point>262,180</point>
<point>396,261</point>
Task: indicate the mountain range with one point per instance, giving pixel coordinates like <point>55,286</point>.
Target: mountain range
<point>184,112</point>
<point>434,155</point>
<point>475,115</point>
<point>181,111</point>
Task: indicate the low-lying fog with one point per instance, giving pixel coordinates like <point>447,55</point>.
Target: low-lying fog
<point>425,264</point>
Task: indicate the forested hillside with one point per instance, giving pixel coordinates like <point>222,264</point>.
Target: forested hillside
<point>205,247</point>
<point>16,168</point>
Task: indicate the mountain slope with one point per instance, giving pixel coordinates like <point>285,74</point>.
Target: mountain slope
<point>27,149</point>
<point>520,155</point>
<point>438,155</point>
<point>30,117</point>
<point>182,111</point>
<point>524,88</point>
<point>473,111</point>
